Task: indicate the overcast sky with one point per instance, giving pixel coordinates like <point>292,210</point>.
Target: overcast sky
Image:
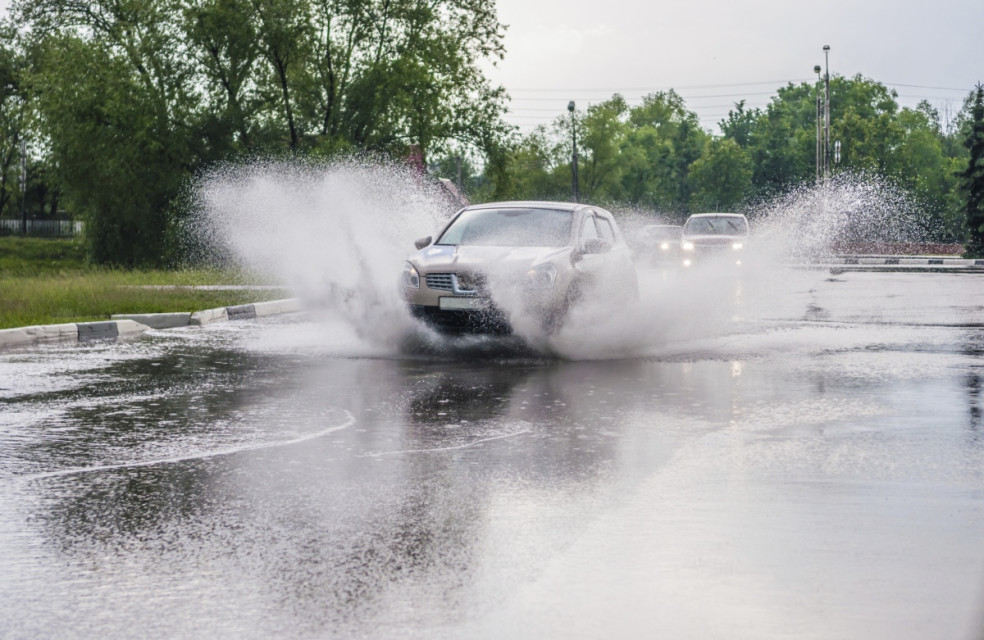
<point>715,52</point>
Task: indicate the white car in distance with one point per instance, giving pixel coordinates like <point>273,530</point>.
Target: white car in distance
<point>714,236</point>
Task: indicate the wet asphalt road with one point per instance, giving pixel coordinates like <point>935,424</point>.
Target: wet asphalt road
<point>812,468</point>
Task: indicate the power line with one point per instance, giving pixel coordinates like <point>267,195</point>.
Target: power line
<point>690,97</point>
<point>919,86</point>
<point>693,86</point>
<point>707,86</point>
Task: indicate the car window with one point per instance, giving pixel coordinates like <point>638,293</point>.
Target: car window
<point>605,229</point>
<point>513,227</point>
<point>717,225</point>
<point>588,230</point>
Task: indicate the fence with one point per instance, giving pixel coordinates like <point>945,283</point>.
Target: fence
<point>43,228</point>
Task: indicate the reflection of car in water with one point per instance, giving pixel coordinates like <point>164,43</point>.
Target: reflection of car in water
<point>497,262</point>
<point>714,235</point>
<point>659,243</point>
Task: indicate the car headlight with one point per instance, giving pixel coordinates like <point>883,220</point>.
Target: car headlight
<point>737,245</point>
<point>687,245</point>
<point>542,277</point>
<point>665,246</point>
<point>410,277</point>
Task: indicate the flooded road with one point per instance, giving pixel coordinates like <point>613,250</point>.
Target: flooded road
<point>812,468</point>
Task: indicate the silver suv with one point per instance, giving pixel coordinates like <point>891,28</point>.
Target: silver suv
<point>500,266</point>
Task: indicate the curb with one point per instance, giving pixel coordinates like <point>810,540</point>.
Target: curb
<point>128,325</point>
<point>912,262</point>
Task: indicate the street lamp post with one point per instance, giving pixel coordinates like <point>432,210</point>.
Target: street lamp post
<point>826,113</point>
<point>570,107</point>
<point>819,150</point>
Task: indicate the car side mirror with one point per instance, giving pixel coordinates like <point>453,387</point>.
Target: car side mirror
<point>423,242</point>
<point>596,245</point>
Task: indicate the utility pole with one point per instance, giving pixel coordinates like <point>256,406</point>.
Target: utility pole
<point>826,113</point>
<point>574,190</point>
<point>819,150</point>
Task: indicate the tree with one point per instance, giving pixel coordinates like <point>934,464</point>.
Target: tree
<point>157,89</point>
<point>973,177</point>
<point>602,134</point>
<point>663,139</point>
<point>222,35</point>
<point>538,165</point>
<point>722,176</point>
<point>781,141</point>
<point>116,101</point>
<point>740,124</point>
<point>118,165</point>
<point>13,113</point>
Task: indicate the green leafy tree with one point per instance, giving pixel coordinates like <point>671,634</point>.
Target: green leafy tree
<point>662,141</point>
<point>740,124</point>
<point>722,176</point>
<point>222,35</point>
<point>113,159</point>
<point>602,136</point>
<point>115,96</point>
<point>867,124</point>
<point>538,166</point>
<point>782,141</point>
<point>13,118</point>
<point>160,88</point>
<point>973,177</point>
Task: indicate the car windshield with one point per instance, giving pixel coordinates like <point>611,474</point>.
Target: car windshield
<point>513,227</point>
<point>717,225</point>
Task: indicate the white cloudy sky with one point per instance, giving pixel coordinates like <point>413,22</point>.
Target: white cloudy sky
<point>715,52</point>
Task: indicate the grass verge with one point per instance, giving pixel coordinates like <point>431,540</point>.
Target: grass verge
<point>45,281</point>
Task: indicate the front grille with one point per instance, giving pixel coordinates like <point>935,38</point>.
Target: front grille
<point>461,283</point>
<point>440,281</point>
<point>470,281</point>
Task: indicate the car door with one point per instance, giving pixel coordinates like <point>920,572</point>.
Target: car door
<point>594,265</point>
<point>612,269</point>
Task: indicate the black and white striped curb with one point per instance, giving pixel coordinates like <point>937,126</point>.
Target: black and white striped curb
<point>843,264</point>
<point>125,325</point>
<point>913,261</point>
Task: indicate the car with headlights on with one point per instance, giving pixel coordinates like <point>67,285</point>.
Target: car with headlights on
<point>500,266</point>
<point>659,243</point>
<point>714,236</point>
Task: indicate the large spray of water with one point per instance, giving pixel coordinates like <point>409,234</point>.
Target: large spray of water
<point>338,235</point>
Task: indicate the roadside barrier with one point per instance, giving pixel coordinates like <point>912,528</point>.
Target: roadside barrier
<point>128,325</point>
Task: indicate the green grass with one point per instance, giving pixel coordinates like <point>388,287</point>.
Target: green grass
<point>25,256</point>
<point>46,281</point>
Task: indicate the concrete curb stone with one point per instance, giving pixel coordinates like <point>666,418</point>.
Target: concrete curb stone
<point>109,329</point>
<point>128,325</point>
<point>156,320</point>
<point>38,334</point>
<point>207,316</point>
<point>911,261</point>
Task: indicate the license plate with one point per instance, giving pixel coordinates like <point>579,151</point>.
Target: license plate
<point>462,304</point>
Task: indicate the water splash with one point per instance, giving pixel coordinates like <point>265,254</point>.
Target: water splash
<point>806,228</point>
<point>337,234</point>
<point>850,213</point>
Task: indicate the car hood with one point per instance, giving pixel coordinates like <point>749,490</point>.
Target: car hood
<point>436,258</point>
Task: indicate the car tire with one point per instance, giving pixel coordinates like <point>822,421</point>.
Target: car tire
<point>555,320</point>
